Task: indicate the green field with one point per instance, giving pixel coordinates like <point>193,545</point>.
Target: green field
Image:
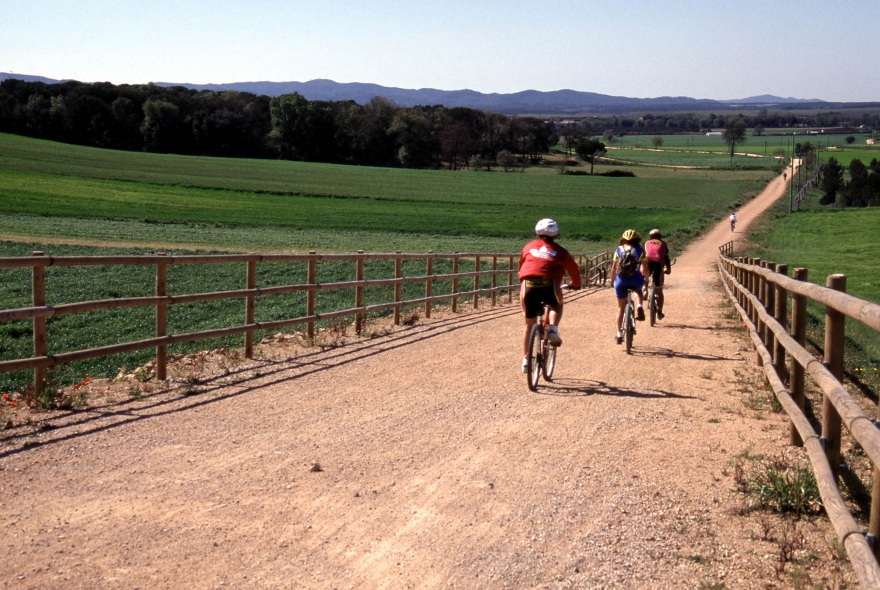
<point>67,200</point>
<point>689,150</point>
<point>829,241</point>
<point>58,191</point>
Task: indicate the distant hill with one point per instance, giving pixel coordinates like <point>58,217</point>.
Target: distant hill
<point>560,102</point>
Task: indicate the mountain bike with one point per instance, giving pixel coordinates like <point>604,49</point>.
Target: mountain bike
<point>542,356</point>
<point>650,295</point>
<point>628,326</point>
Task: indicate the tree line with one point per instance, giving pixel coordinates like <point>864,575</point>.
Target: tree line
<point>861,190</point>
<point>609,126</point>
<point>244,125</point>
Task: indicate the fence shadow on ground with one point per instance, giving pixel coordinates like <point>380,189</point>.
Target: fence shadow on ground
<point>170,399</point>
<point>178,396</point>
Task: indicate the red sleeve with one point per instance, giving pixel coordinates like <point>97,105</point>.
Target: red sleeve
<point>573,270</point>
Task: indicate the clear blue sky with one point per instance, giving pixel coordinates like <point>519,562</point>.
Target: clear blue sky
<point>637,48</point>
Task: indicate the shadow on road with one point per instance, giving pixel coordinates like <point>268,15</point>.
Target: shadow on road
<point>669,353</point>
<point>172,396</point>
<point>586,387</point>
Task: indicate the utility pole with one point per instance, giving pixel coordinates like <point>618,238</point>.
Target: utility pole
<point>791,180</point>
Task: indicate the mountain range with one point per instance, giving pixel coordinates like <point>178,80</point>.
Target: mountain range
<point>535,102</point>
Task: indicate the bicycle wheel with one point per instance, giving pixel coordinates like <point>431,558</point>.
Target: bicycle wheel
<point>534,358</point>
<point>629,326</point>
<point>549,360</point>
<point>652,305</point>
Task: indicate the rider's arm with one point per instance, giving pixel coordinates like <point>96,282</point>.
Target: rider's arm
<point>574,272</point>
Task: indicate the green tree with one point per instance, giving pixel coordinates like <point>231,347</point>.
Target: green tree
<point>161,125</point>
<point>412,134</point>
<point>288,113</point>
<point>832,180</point>
<point>733,135</point>
<point>589,150</point>
<point>657,141</point>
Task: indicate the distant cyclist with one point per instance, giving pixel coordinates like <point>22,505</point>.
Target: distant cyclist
<point>542,265</point>
<point>628,268</point>
<point>659,264</point>
<point>732,221</point>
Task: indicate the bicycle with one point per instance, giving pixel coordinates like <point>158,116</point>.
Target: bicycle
<point>542,355</point>
<point>628,326</point>
<point>650,295</point>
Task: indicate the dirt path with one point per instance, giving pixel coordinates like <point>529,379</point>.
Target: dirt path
<point>420,460</point>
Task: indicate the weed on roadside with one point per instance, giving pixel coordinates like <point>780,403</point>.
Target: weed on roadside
<point>778,484</point>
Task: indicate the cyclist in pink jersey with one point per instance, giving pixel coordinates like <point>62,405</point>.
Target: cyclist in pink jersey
<point>659,265</point>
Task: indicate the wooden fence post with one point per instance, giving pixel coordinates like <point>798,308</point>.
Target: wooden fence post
<point>359,293</point>
<point>398,272</point>
<point>509,279</point>
<point>874,520</point>
<point>476,282</point>
<point>770,306</point>
<point>429,282</point>
<point>755,289</point>
<point>455,282</point>
<point>311,279</point>
<point>161,318</point>
<point>781,316</point>
<point>494,279</point>
<point>250,283</point>
<point>799,333</point>
<point>742,280</point>
<point>835,326</point>
<point>38,298</point>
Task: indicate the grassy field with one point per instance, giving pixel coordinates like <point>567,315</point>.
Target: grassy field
<point>60,192</point>
<point>829,241</point>
<point>67,200</point>
<point>675,149</point>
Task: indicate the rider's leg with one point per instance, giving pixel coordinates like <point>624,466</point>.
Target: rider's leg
<point>529,323</point>
<point>621,305</point>
<point>555,315</point>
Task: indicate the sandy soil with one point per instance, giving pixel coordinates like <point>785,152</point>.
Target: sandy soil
<point>419,459</point>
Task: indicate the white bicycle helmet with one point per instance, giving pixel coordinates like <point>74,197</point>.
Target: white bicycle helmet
<point>547,227</point>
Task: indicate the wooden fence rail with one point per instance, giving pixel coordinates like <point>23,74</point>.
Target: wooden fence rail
<point>760,291</point>
<point>501,275</point>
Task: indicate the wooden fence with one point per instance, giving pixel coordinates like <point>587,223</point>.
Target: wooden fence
<point>488,276</point>
<point>761,292</point>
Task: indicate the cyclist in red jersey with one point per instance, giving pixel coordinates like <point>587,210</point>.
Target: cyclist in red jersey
<point>542,265</point>
<point>659,265</point>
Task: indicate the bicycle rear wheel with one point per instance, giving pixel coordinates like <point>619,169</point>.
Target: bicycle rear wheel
<point>652,304</point>
<point>534,358</point>
<point>628,327</point>
<point>549,360</point>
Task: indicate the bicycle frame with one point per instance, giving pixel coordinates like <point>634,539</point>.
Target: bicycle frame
<point>628,327</point>
<point>650,295</point>
<point>542,356</point>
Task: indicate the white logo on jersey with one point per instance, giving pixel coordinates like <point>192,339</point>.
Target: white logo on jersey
<point>543,252</point>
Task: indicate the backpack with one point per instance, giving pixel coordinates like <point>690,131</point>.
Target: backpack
<point>628,262</point>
